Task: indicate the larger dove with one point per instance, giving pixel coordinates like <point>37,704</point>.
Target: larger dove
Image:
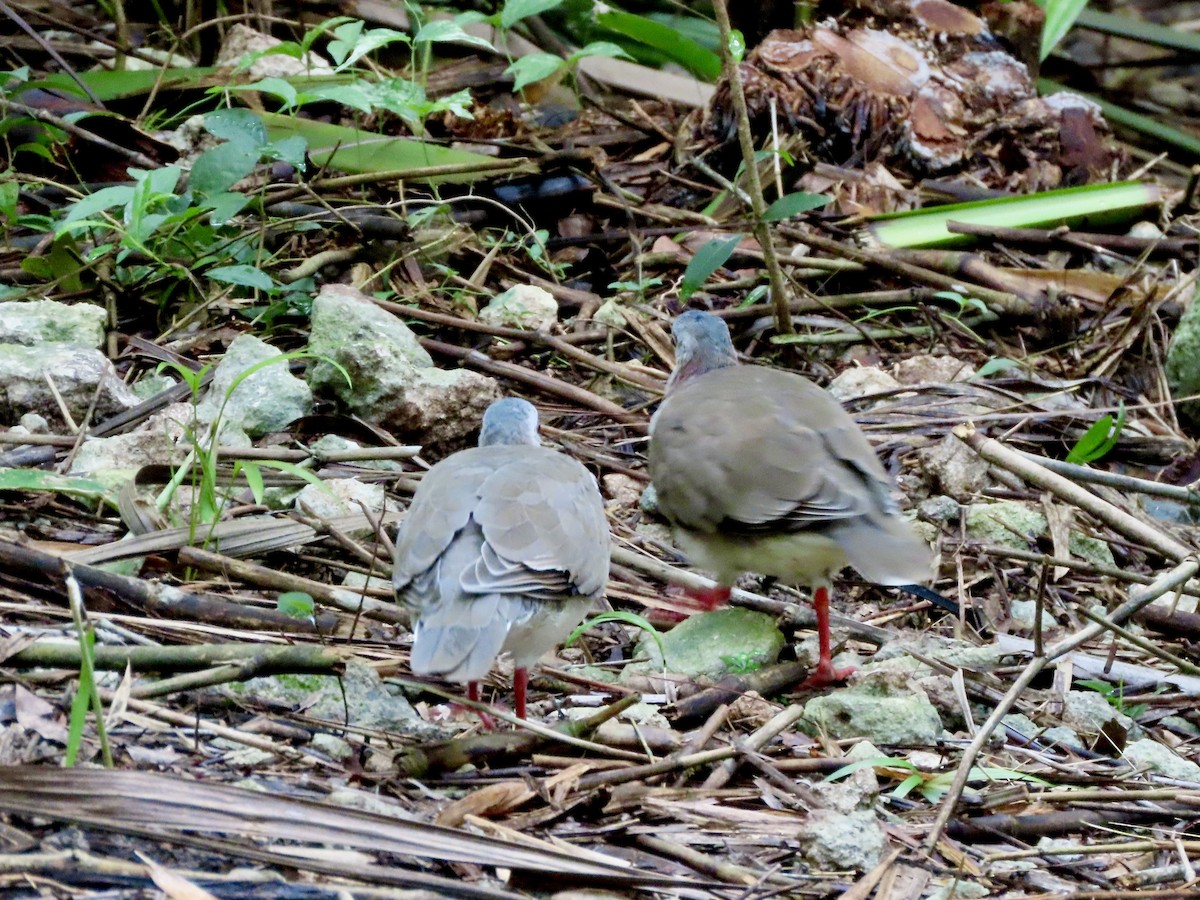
<point>760,470</point>
<point>504,548</point>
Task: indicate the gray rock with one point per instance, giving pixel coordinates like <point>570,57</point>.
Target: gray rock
<point>34,424</point>
<point>956,469</point>
<point>1024,616</point>
<point>1012,523</point>
<point>340,497</point>
<point>152,442</point>
<point>960,654</point>
<point>522,306</point>
<point>839,841</point>
<point>649,501</point>
<point>263,402</point>
<point>854,383</point>
<point>1151,754</point>
<point>392,379</point>
<point>1183,363</point>
<point>30,323</point>
<point>76,372</point>
<point>939,509</point>
<point>1086,712</point>
<point>331,745</point>
<point>715,643</point>
<point>152,384</point>
<point>891,717</point>
<point>367,700</point>
<point>925,369</point>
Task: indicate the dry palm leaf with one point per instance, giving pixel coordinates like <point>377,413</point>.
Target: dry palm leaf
<point>170,807</point>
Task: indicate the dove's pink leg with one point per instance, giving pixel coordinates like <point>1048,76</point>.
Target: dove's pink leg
<point>520,686</point>
<point>825,673</point>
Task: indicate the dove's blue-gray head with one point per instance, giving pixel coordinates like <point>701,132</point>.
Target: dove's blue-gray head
<point>702,343</point>
<point>509,421</point>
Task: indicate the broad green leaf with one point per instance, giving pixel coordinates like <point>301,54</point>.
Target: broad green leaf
<point>793,205</point>
<point>218,169</point>
<point>599,48</point>
<point>224,206</point>
<point>236,125</point>
<point>995,366</point>
<point>450,31</point>
<point>708,259</point>
<point>296,605</point>
<point>40,481</point>
<point>284,90</point>
<point>516,10</point>
<point>353,43</point>
<point>86,207</point>
<point>1094,205</point>
<point>533,68</point>
<point>698,60</point>
<point>246,276</point>
<point>355,151</point>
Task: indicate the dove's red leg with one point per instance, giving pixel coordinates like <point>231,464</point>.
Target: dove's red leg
<point>473,695</point>
<point>825,673</point>
<point>520,686</point>
<point>710,598</point>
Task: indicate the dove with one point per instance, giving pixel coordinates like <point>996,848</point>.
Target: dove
<point>760,470</point>
<point>504,548</point>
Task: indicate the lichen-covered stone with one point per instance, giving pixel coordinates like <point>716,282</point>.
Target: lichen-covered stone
<point>265,401</point>
<point>392,379</point>
<point>522,306</point>
<point>30,323</point>
<point>75,371</point>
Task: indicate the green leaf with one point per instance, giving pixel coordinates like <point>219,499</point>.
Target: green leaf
<point>710,257</point>
<point>1098,440</point>
<point>450,31</point>
<point>904,788</point>
<point>355,151</point>
<point>353,43</point>
<point>86,207</point>
<point>1094,205</point>
<point>516,10</point>
<point>598,48</point>
<point>892,762</point>
<point>533,68</point>
<point>737,45</point>
<point>296,605</point>
<point>283,90</point>
<point>10,193</point>
<point>246,276</point>
<point>40,481</point>
<point>793,205</point>
<point>995,365</point>
<point>224,206</point>
<point>698,60</point>
<point>220,168</point>
<point>236,125</point>
<point>253,475</point>
<point>1060,16</point>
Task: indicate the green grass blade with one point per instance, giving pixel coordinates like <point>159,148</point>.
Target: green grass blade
<point>1092,206</point>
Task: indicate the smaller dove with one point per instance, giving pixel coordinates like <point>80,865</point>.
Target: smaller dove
<point>504,548</point>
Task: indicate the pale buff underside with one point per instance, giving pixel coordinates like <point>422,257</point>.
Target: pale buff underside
<point>803,558</point>
<point>530,641</point>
